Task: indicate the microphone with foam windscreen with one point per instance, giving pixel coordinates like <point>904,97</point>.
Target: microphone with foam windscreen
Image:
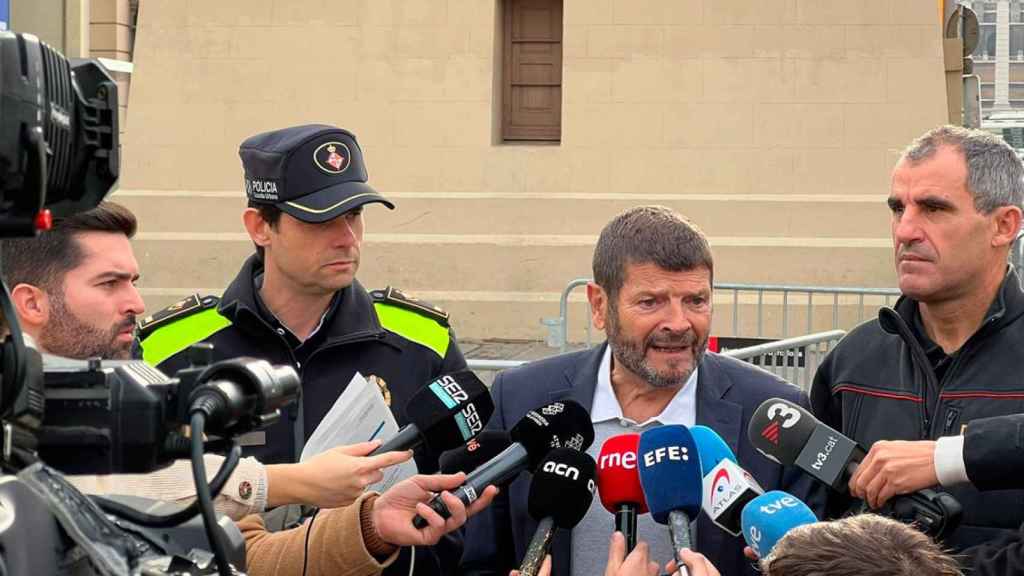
<point>727,487</point>
<point>444,414</point>
<point>788,434</point>
<point>561,424</point>
<point>670,474</point>
<point>618,484</point>
<point>767,518</point>
<point>560,495</point>
<point>474,453</point>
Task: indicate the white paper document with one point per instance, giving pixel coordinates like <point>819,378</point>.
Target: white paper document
<point>359,415</point>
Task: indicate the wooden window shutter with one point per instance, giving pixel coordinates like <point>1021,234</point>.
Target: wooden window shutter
<point>532,99</point>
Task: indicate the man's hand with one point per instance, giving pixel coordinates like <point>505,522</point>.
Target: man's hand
<point>638,563</point>
<point>695,562</point>
<point>394,510</point>
<point>894,467</point>
<point>332,479</point>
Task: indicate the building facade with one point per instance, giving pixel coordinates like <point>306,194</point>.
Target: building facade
<point>508,132</point>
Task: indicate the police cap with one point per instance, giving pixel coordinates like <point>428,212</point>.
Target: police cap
<point>313,172</point>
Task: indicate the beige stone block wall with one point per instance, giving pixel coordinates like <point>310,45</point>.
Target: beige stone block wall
<point>721,104</point>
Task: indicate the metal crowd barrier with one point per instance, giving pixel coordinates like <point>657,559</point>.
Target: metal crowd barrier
<point>866,302</point>
<point>792,359</point>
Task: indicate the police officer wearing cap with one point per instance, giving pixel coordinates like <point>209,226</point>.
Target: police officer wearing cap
<point>296,301</point>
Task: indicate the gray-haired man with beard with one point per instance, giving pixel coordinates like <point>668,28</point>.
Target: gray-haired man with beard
<point>652,296</point>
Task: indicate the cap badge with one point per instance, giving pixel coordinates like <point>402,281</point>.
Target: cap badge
<point>332,157</point>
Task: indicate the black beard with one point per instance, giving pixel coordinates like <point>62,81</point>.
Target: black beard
<point>631,354</point>
<point>67,335</point>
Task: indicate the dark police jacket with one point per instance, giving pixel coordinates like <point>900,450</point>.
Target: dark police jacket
<point>403,343</point>
<point>878,384</point>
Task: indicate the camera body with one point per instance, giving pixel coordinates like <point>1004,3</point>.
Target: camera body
<point>59,155</point>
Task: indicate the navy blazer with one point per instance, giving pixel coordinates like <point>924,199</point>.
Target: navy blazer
<point>728,392</point>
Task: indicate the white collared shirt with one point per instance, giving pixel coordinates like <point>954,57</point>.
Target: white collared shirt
<point>681,410</point>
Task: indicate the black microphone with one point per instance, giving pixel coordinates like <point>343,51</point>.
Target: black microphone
<point>560,495</point>
<point>446,413</point>
<point>561,424</point>
<point>474,453</point>
<point>790,435</point>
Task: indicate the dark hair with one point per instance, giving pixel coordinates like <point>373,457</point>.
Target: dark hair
<point>42,261</point>
<point>270,214</point>
<point>857,545</point>
<point>648,235</point>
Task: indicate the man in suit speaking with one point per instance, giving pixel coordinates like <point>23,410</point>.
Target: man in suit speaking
<point>652,296</point>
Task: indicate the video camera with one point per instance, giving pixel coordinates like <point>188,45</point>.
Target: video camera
<point>59,155</point>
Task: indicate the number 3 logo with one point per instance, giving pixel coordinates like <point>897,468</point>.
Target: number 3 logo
<point>787,415</point>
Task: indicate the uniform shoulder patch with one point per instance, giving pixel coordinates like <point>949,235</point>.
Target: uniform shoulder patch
<point>396,297</point>
<point>186,307</point>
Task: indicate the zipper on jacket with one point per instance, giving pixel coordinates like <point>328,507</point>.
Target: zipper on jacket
<point>951,417</point>
<point>922,365</point>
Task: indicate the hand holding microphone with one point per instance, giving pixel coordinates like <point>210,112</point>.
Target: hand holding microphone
<point>446,413</point>
<point>563,424</point>
<point>790,435</point>
<point>894,467</point>
<point>560,495</point>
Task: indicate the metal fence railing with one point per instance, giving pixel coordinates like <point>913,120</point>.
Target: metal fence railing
<point>792,359</point>
<point>762,310</point>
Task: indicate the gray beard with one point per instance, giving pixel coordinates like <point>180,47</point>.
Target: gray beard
<point>630,354</point>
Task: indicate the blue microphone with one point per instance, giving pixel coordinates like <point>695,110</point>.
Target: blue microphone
<point>727,486</point>
<point>669,466</point>
<point>711,447</point>
<point>767,518</point>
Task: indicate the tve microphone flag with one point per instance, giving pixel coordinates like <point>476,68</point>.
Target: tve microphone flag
<point>670,474</point>
<point>727,487</point>
<point>444,414</point>
<point>788,434</point>
<point>618,484</point>
<point>767,518</point>
<point>560,495</point>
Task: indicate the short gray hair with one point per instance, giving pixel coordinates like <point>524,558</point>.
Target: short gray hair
<point>995,175</point>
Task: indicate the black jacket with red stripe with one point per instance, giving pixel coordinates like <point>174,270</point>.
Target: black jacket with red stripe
<point>878,384</point>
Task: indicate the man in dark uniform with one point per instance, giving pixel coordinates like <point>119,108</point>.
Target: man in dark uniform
<point>296,300</point>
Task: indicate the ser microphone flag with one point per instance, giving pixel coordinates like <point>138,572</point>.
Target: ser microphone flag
<point>670,474</point>
<point>444,414</point>
<point>767,518</point>
<point>561,424</point>
<point>727,487</point>
<point>560,495</point>
<point>618,484</point>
